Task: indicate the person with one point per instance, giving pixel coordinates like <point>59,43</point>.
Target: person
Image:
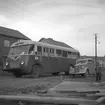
<point>98,70</point>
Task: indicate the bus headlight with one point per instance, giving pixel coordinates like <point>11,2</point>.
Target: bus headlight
<point>22,62</point>
<point>36,58</point>
<point>6,63</point>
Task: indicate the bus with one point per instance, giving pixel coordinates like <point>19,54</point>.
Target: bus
<point>84,67</point>
<point>37,58</point>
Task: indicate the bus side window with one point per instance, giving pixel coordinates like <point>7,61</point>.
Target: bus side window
<point>58,52</point>
<point>45,51</point>
<point>51,52</point>
<point>73,55</point>
<point>31,49</point>
<point>69,54</point>
<point>64,54</point>
<point>39,50</point>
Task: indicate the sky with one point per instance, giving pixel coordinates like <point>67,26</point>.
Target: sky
<point>73,22</point>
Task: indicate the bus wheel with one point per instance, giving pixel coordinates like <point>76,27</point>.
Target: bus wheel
<point>16,74</point>
<point>36,71</point>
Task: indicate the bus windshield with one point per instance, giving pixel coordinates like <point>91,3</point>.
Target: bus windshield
<point>81,61</point>
<point>19,49</point>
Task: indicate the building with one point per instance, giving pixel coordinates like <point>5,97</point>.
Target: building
<point>53,42</point>
<point>7,37</point>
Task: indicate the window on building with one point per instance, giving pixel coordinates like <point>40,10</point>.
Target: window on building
<point>6,43</point>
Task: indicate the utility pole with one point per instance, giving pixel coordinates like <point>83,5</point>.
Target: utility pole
<point>96,56</point>
<point>95,50</point>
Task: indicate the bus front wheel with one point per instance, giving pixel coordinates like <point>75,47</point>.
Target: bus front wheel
<point>36,71</point>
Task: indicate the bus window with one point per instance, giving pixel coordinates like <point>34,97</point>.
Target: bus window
<point>64,53</point>
<point>69,54</point>
<point>45,51</point>
<point>73,55</point>
<point>39,50</point>
<point>51,52</point>
<point>58,52</point>
<point>31,49</point>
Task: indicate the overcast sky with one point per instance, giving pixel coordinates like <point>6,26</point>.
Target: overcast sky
<point>71,21</point>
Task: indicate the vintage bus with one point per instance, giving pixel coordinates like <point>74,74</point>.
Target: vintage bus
<point>84,67</point>
<point>37,58</point>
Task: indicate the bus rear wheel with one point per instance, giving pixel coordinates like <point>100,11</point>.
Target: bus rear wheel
<point>36,71</point>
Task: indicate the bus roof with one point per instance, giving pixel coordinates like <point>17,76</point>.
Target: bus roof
<point>25,42</point>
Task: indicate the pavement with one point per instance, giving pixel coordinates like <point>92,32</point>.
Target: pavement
<point>68,86</point>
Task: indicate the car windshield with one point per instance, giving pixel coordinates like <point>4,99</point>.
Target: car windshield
<point>19,49</point>
<point>81,61</point>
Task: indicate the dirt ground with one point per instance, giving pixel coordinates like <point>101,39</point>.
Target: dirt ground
<point>12,85</point>
<point>35,86</point>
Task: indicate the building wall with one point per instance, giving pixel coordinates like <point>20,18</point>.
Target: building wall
<point>5,42</point>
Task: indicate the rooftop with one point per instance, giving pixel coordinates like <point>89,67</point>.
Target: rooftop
<point>53,42</point>
<point>12,33</point>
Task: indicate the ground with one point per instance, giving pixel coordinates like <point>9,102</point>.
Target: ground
<point>11,84</point>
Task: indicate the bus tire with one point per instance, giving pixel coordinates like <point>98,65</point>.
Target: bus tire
<point>17,74</point>
<point>36,71</point>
